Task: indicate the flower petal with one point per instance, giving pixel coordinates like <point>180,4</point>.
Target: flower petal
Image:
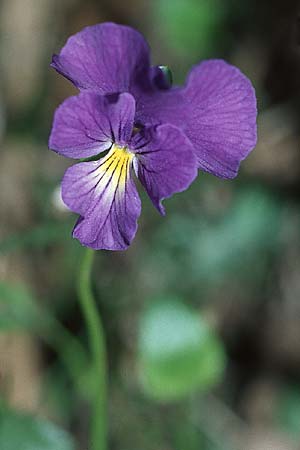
<point>108,58</point>
<point>166,164</point>
<point>221,113</point>
<point>121,116</point>
<point>105,196</point>
<point>87,124</point>
<point>216,110</point>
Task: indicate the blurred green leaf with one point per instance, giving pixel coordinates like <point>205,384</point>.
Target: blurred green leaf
<point>249,228</point>
<point>187,437</point>
<point>17,308</point>
<point>205,250</point>
<point>19,311</point>
<point>288,411</point>
<point>57,393</point>
<point>22,432</point>
<point>178,352</point>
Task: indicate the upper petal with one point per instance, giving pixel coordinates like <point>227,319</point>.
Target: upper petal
<point>108,58</point>
<point>105,196</point>
<point>220,116</point>
<point>165,164</point>
<point>216,110</point>
<point>88,124</point>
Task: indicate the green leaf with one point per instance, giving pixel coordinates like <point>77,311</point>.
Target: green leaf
<point>205,250</point>
<point>187,437</point>
<point>249,229</point>
<point>22,432</point>
<point>18,310</point>
<point>178,352</point>
<point>288,411</point>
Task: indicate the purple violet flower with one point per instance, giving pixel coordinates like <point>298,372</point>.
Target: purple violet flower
<point>102,191</point>
<point>162,133</point>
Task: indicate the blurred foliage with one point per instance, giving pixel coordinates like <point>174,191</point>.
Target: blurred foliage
<point>20,312</point>
<point>191,24</point>
<point>178,352</point>
<point>206,301</point>
<point>39,237</point>
<point>17,309</point>
<point>209,250</point>
<point>288,411</point>
<point>28,433</point>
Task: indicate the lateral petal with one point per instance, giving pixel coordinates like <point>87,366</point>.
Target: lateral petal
<point>88,124</point>
<point>165,164</point>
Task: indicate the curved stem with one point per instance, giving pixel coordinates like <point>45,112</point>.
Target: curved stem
<point>98,353</point>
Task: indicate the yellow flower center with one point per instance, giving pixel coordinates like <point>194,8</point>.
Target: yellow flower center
<point>116,166</point>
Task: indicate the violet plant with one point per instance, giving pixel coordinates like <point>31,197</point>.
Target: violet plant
<point>160,134</point>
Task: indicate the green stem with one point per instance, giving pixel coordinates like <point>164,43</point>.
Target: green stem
<point>98,353</point>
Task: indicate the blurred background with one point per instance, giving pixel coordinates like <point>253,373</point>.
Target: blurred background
<point>202,313</point>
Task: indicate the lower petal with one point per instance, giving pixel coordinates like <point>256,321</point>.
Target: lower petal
<point>105,196</point>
